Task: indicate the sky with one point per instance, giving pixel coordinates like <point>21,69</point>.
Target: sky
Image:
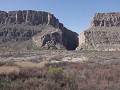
<point>74,14</point>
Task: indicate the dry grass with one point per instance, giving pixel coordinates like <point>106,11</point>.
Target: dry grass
<point>6,70</point>
<point>25,64</point>
<point>61,76</point>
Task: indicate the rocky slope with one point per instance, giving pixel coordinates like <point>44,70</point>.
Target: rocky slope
<point>30,29</point>
<point>103,35</point>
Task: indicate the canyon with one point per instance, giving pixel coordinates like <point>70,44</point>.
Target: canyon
<point>39,30</point>
<point>37,52</point>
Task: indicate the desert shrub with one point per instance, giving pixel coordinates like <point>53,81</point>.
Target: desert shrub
<point>25,73</point>
<point>58,65</point>
<point>32,72</point>
<point>2,63</point>
<point>5,84</point>
<point>10,63</point>
<point>52,86</point>
<point>55,73</point>
<point>39,72</point>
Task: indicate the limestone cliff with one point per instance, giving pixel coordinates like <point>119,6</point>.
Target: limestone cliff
<point>103,35</point>
<point>30,29</point>
<point>29,17</point>
<point>106,19</point>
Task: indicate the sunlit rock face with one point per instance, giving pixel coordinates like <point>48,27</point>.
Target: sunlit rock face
<point>29,17</point>
<point>28,29</point>
<point>106,19</point>
<point>103,34</point>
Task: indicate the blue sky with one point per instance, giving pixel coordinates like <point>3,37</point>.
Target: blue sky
<point>74,14</point>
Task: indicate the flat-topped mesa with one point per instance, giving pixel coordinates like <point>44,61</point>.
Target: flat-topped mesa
<point>106,19</point>
<point>29,17</point>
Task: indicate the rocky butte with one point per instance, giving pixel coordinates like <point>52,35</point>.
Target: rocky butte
<point>103,34</point>
<point>28,29</point>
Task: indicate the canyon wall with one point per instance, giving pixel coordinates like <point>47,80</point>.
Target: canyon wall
<point>29,17</point>
<point>30,29</point>
<point>103,34</point>
<point>106,19</point>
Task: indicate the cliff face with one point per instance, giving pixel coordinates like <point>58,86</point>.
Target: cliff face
<point>30,29</point>
<point>29,17</point>
<point>106,19</point>
<point>103,35</point>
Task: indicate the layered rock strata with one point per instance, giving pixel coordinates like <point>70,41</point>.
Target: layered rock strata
<point>106,20</point>
<point>103,35</point>
<point>29,17</point>
<point>30,29</point>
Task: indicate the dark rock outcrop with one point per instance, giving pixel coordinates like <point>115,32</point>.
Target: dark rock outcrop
<point>30,29</point>
<point>103,35</point>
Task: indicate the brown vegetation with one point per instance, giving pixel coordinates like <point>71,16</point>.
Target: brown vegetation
<point>61,76</point>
